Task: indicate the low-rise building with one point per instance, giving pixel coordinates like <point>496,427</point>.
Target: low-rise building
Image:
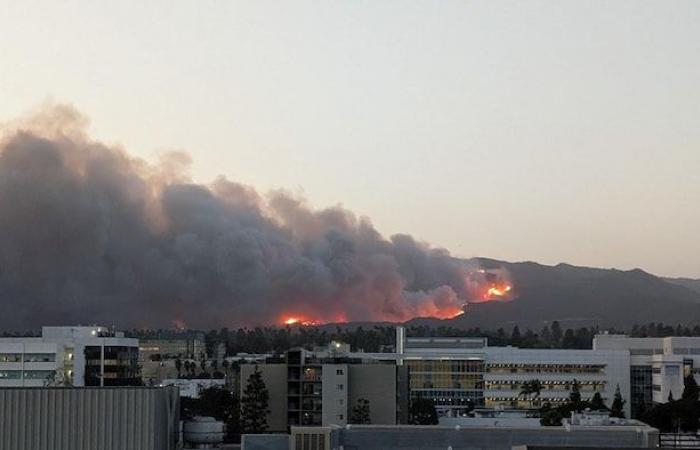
<point>460,374</point>
<point>658,366</point>
<point>107,418</point>
<point>70,356</point>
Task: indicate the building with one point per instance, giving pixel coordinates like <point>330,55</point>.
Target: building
<point>183,345</point>
<point>321,388</point>
<point>70,356</point>
<point>191,388</point>
<point>107,418</point>
<point>658,366</point>
<point>575,433</point>
<point>460,374</point>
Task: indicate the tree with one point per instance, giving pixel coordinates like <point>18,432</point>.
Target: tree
<point>203,365</point>
<point>618,404</point>
<point>597,403</point>
<point>255,404</point>
<point>361,412</point>
<point>690,389</point>
<point>178,367</point>
<point>422,412</point>
<point>556,334</point>
<point>575,395</point>
<point>531,390</point>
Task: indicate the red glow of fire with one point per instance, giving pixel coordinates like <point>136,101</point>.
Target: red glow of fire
<point>498,291</point>
<point>294,320</point>
<point>305,321</point>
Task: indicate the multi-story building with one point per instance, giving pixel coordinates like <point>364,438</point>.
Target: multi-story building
<point>658,366</point>
<point>322,388</point>
<point>184,345</point>
<point>459,374</point>
<point>70,356</point>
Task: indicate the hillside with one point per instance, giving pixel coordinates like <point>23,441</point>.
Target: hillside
<point>582,296</point>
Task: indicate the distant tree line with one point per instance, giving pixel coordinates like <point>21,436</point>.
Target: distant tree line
<point>382,338</point>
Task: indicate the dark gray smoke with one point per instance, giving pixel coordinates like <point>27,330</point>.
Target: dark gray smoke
<point>90,234</point>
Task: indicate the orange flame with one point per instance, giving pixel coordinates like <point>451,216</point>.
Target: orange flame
<point>299,320</point>
<point>498,291</point>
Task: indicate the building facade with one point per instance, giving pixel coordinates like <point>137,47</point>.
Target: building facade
<point>131,418</point>
<point>321,388</point>
<point>460,374</point>
<point>658,366</point>
<point>70,356</point>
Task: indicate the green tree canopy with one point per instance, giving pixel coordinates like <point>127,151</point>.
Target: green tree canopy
<point>255,404</point>
<point>618,405</point>
<point>361,412</point>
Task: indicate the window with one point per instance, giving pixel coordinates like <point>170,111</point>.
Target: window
<point>39,357</point>
<point>341,401</point>
<point>38,374</point>
<point>13,374</point>
<point>10,357</point>
<point>339,417</point>
<point>341,387</point>
<point>339,372</point>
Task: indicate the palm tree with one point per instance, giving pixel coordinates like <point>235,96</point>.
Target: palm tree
<point>531,390</point>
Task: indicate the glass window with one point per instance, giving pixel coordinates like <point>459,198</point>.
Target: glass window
<point>39,357</point>
<point>38,374</point>
<point>10,374</point>
<point>10,357</point>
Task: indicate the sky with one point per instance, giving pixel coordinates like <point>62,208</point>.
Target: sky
<point>557,131</point>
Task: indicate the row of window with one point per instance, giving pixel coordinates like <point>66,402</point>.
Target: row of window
<point>28,357</point>
<point>28,374</point>
<point>445,366</point>
<point>545,370</point>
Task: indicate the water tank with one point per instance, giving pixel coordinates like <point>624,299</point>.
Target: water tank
<point>203,432</point>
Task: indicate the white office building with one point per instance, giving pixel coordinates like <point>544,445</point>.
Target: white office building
<point>459,374</point>
<point>658,366</point>
<point>69,356</point>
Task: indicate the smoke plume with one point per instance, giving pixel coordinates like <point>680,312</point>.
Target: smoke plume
<point>91,234</point>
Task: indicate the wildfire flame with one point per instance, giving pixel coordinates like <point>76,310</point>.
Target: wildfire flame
<point>299,320</point>
<point>487,285</point>
<point>498,291</point>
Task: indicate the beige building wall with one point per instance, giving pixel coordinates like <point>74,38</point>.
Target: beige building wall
<point>376,383</point>
<point>335,395</point>
<point>275,378</point>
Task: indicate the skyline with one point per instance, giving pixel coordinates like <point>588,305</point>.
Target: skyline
<point>557,133</point>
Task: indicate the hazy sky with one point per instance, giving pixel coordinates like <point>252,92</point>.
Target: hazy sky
<point>548,131</point>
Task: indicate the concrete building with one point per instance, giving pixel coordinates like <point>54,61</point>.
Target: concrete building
<point>459,374</point>
<point>70,356</point>
<point>315,389</point>
<point>658,366</point>
<point>578,432</point>
<point>108,418</point>
<point>192,388</point>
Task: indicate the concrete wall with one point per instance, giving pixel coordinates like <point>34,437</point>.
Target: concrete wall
<point>275,378</point>
<point>336,410</point>
<point>376,383</point>
<point>124,418</point>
